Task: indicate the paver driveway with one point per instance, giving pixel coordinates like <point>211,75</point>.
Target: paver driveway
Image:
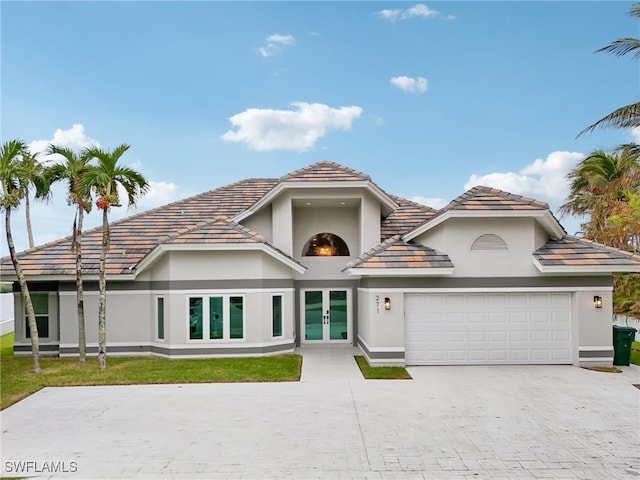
<point>524,422</point>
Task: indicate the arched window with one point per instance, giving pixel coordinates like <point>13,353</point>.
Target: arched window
<point>489,241</point>
<point>325,245</point>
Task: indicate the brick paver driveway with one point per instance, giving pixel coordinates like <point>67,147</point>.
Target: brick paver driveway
<point>503,422</point>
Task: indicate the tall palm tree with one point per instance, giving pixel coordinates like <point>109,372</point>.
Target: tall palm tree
<point>31,174</point>
<point>12,179</point>
<point>598,185</point>
<point>629,115</point>
<point>71,170</point>
<point>103,179</point>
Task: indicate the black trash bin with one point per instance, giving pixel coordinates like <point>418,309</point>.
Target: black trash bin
<point>622,340</point>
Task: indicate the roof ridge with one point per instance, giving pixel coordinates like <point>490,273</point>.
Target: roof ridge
<point>323,163</point>
<point>217,219</point>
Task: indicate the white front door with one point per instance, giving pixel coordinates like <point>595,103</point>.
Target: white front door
<point>326,315</point>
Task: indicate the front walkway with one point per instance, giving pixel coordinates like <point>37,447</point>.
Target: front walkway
<point>329,362</point>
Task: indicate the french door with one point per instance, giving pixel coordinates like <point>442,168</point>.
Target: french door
<point>326,315</point>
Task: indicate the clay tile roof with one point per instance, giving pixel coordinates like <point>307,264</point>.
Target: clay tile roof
<point>486,198</point>
<point>217,230</point>
<point>133,238</point>
<point>571,251</point>
<point>325,171</point>
<point>406,217</point>
<point>395,253</point>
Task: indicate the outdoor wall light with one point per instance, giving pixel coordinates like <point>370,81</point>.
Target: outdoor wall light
<point>387,303</point>
<point>597,302</point>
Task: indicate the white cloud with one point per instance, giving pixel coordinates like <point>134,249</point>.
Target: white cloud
<point>73,138</point>
<point>160,193</point>
<point>419,10</point>
<point>436,203</point>
<point>543,179</point>
<point>275,43</point>
<point>635,134</point>
<point>409,84</point>
<point>297,130</point>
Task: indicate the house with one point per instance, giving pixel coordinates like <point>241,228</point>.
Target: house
<point>324,255</point>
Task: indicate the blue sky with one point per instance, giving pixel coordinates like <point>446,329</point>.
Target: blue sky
<point>428,98</point>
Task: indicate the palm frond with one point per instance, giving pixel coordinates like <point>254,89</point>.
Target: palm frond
<point>623,46</point>
<point>624,117</point>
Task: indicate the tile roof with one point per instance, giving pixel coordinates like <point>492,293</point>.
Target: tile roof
<point>133,238</point>
<point>406,217</point>
<point>571,251</point>
<point>325,171</point>
<point>486,198</point>
<point>216,231</point>
<point>395,253</point>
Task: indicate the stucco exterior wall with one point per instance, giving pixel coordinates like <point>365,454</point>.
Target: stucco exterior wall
<point>456,235</point>
<point>593,340</point>
<point>262,223</point>
<point>380,331</point>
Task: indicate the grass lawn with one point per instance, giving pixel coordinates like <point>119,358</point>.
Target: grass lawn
<point>17,381</point>
<point>381,373</point>
<point>635,353</point>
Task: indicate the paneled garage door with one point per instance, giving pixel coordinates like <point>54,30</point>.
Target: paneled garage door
<point>507,328</point>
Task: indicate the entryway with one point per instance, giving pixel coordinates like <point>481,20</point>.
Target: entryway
<point>326,315</point>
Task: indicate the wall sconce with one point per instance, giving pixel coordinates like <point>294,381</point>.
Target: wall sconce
<point>597,302</point>
<point>387,303</point>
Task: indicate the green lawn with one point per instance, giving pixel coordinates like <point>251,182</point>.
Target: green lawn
<point>17,381</point>
<point>381,373</point>
<point>635,353</point>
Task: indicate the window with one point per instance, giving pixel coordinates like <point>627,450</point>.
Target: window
<point>160,317</point>
<point>40,302</point>
<point>222,316</point>
<point>276,315</point>
<point>489,241</point>
<point>325,245</point>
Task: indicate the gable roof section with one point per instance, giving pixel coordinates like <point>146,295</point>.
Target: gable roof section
<point>320,175</point>
<point>395,257</point>
<point>491,202</point>
<point>574,255</point>
<point>133,238</point>
<point>405,218</point>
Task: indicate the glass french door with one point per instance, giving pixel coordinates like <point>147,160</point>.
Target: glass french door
<point>326,315</point>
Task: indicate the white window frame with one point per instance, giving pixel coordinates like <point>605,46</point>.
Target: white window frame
<point>281,295</point>
<point>164,318</point>
<point>226,318</point>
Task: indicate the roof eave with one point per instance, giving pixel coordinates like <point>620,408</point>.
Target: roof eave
<point>161,249</point>
<point>388,204</point>
<point>586,269</point>
<point>398,272</point>
<point>544,217</point>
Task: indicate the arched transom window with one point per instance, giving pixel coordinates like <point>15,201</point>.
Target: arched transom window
<point>489,241</point>
<point>325,245</point>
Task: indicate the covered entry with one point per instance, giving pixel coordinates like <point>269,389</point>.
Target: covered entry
<point>326,316</point>
<point>487,328</point>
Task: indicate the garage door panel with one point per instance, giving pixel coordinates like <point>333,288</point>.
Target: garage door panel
<point>488,328</point>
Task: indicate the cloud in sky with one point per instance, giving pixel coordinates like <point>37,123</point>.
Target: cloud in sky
<point>419,10</point>
<point>275,43</point>
<point>542,179</point>
<point>160,193</point>
<point>409,84</point>
<point>73,138</point>
<point>635,134</point>
<point>436,203</point>
<point>296,130</point>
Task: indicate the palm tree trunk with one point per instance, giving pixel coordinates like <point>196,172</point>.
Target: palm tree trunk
<point>82,340</point>
<point>33,326</point>
<point>102,302</point>
<point>27,209</point>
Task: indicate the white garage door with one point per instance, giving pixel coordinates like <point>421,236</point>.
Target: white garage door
<point>467,329</point>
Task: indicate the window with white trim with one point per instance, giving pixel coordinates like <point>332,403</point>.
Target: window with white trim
<point>276,315</point>
<point>216,317</point>
<point>40,302</point>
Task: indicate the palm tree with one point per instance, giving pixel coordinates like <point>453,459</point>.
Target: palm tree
<point>12,179</point>
<point>629,115</point>
<point>71,170</point>
<point>31,174</point>
<point>104,179</point>
<point>598,185</point>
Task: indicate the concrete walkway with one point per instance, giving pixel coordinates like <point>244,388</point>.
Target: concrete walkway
<point>448,423</point>
<point>332,362</point>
